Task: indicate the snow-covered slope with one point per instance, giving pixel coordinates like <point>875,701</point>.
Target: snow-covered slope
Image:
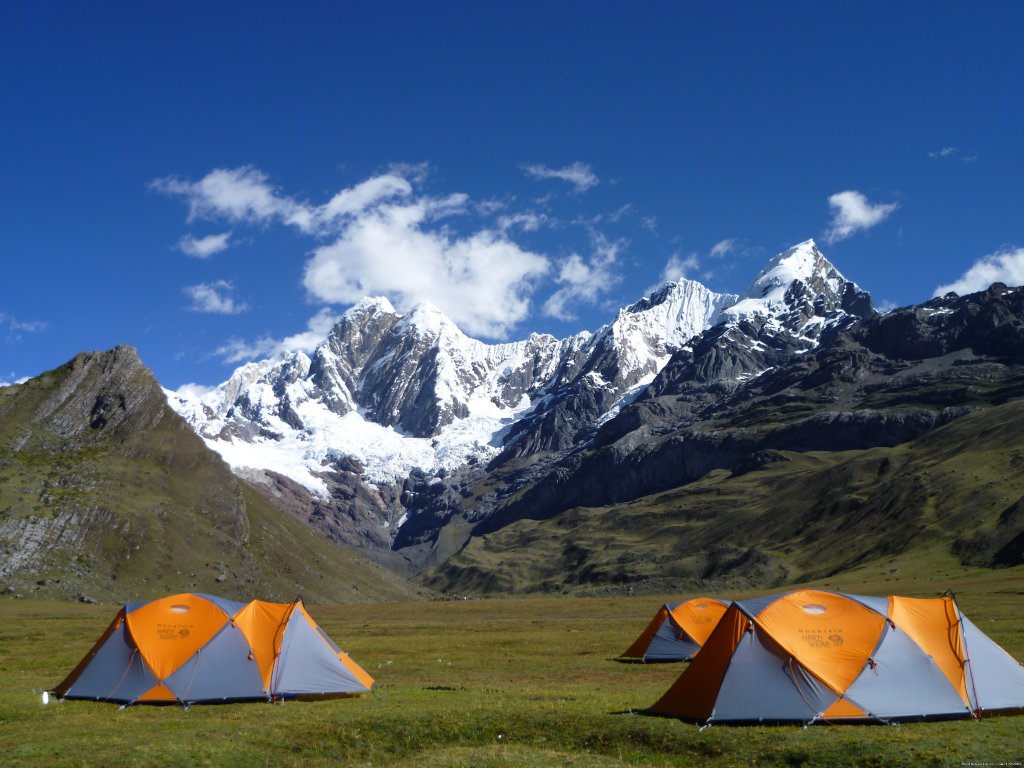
<point>615,366</point>
<point>783,313</point>
<point>420,395</point>
<point>798,291</point>
<point>646,334</point>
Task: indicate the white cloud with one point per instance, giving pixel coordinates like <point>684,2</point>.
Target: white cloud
<point>527,221</point>
<point>415,172</point>
<point>351,201</point>
<point>946,152</point>
<point>679,266</point>
<point>578,281</point>
<point>584,281</point>
<point>214,298</point>
<point>236,350</point>
<point>380,237</point>
<point>30,326</point>
<point>15,327</point>
<point>617,216</point>
<point>243,195</point>
<point>851,212</point>
<point>1005,266</point>
<point>236,194</point>
<point>580,175</point>
<point>489,207</point>
<point>194,390</point>
<point>204,247</point>
<point>317,329</point>
<point>723,248</point>
<point>482,281</point>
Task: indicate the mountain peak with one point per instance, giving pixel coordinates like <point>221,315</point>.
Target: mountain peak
<point>427,319</point>
<point>666,292</point>
<point>802,263</point>
<point>372,304</point>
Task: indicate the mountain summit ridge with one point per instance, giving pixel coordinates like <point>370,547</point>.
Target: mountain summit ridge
<point>401,394</point>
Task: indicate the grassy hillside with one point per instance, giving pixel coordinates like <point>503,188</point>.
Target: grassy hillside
<point>293,559</point>
<point>106,492</point>
<point>947,500</point>
<point>513,682</point>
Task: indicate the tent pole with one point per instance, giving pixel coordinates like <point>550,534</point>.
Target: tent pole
<point>968,669</point>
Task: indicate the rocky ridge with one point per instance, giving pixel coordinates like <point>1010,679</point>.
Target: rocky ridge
<point>106,493</point>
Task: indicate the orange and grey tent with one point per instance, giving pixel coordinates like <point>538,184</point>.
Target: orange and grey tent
<point>811,656</point>
<point>192,648</point>
<point>677,631</point>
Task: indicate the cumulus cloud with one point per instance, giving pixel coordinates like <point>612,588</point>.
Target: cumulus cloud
<point>582,280</point>
<point>580,175</point>
<point>679,266</point>
<point>214,298</point>
<point>350,202</point>
<point>1006,266</point>
<point>851,212</point>
<point>482,281</point>
<point>944,152</point>
<point>204,247</point>
<point>382,239</point>
<point>236,194</point>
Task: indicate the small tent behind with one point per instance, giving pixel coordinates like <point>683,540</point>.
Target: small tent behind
<point>677,631</point>
<point>813,656</point>
<point>193,648</point>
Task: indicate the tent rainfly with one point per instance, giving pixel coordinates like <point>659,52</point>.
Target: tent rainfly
<point>194,649</point>
<point>677,631</point>
<point>811,656</point>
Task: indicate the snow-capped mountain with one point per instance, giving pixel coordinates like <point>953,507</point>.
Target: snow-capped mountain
<point>394,392</point>
<point>399,392</point>
<point>789,304</point>
<point>389,401</point>
<point>799,291</point>
<point>616,365</point>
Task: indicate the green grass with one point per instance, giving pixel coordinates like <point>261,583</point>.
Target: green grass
<point>143,508</point>
<point>951,497</point>
<point>512,682</point>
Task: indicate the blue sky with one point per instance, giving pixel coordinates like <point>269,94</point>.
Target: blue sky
<point>213,185</point>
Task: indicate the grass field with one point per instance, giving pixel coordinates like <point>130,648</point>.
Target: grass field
<point>524,682</point>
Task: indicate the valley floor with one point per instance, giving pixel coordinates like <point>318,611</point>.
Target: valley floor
<point>527,682</point>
